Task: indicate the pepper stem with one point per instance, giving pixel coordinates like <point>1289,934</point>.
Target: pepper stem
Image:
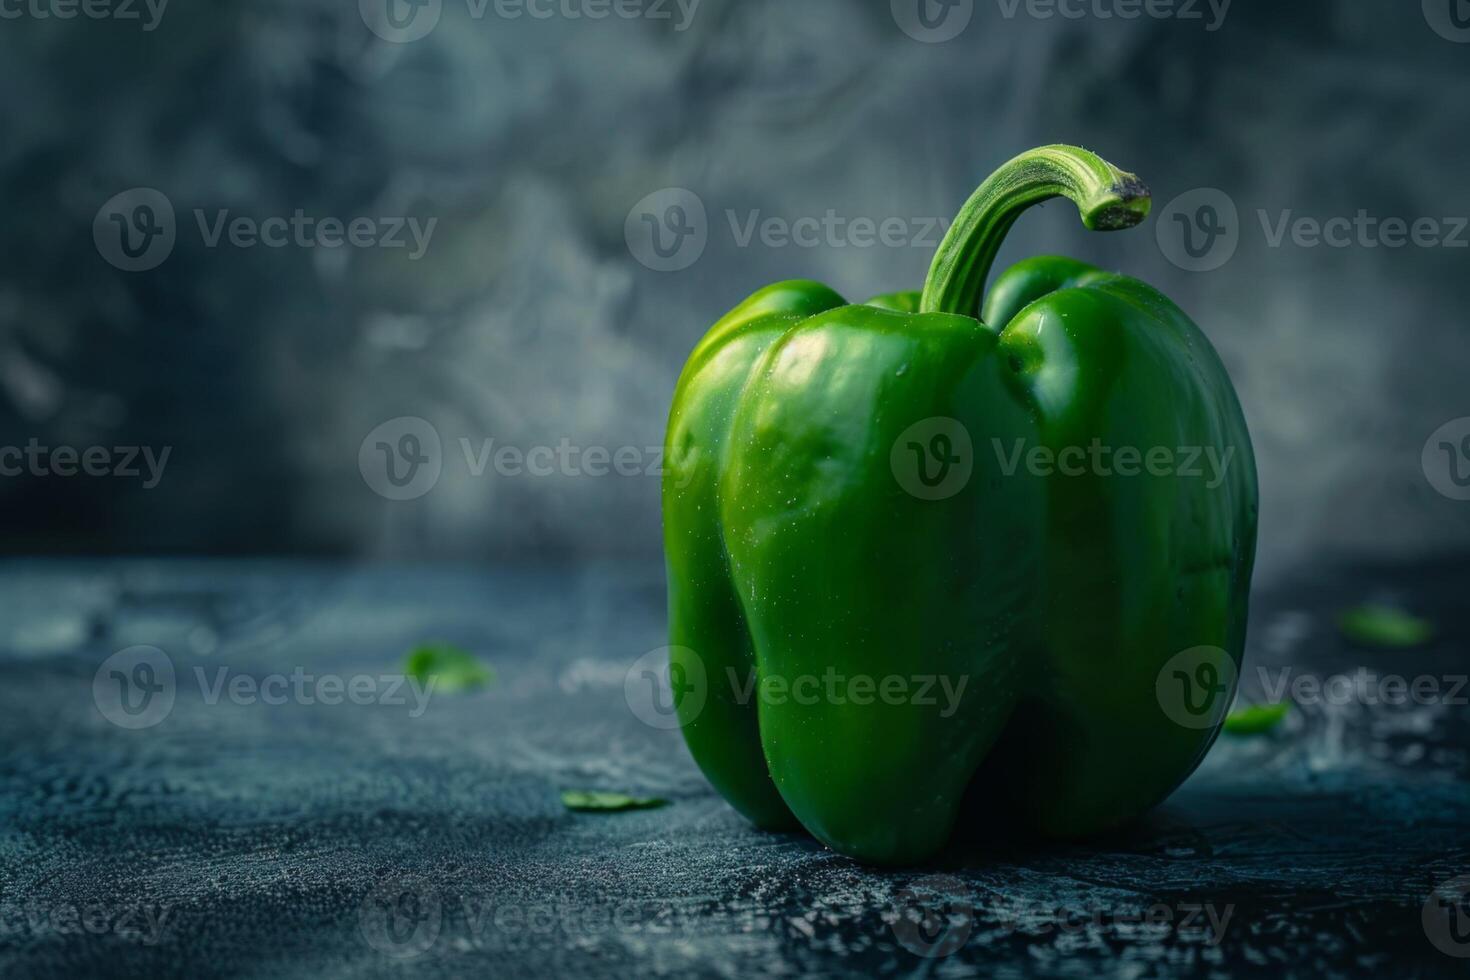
<point>1108,199</point>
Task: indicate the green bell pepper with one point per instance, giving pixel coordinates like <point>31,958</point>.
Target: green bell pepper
<point>913,583</point>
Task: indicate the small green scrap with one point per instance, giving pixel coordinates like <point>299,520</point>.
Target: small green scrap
<point>594,801</point>
<point>450,668</point>
<point>1256,719</point>
<point>1377,625</point>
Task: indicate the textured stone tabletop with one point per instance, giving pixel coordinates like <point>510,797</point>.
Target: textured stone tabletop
<point>246,828</point>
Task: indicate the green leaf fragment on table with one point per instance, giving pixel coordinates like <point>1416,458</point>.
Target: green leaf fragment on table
<point>1384,626</point>
<point>1257,718</point>
<point>450,668</point>
<point>598,802</point>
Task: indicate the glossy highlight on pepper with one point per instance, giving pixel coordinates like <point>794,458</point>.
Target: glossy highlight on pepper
<point>858,490</point>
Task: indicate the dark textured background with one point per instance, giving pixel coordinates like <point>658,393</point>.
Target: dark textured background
<point>528,321</point>
<point>321,841</point>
